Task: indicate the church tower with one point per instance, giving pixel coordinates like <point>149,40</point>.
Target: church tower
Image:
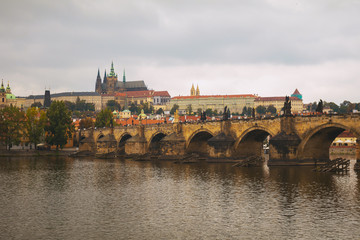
<point>192,91</point>
<point>124,78</point>
<point>112,79</point>
<point>197,91</point>
<point>98,87</point>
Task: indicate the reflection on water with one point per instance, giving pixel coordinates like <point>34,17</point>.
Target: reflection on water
<point>117,199</point>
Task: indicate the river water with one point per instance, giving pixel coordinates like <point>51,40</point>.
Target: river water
<point>64,198</point>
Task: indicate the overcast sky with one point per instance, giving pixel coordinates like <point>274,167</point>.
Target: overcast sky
<point>264,47</point>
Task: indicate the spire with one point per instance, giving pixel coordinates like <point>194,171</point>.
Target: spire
<point>8,90</point>
<point>98,83</point>
<point>197,91</point>
<point>112,72</point>
<point>105,78</point>
<point>192,91</point>
<point>124,77</point>
<point>2,89</point>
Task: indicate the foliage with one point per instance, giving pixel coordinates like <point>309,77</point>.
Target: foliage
<point>36,104</point>
<point>189,109</point>
<point>271,109</point>
<point>59,126</point>
<point>134,108</point>
<point>113,105</point>
<point>199,111</point>
<point>160,111</point>
<point>209,112</point>
<point>80,105</point>
<point>104,118</point>
<point>334,106</point>
<point>12,121</point>
<point>346,107</point>
<point>174,108</point>
<point>35,124</point>
<point>247,111</point>
<point>260,110</point>
<point>86,123</point>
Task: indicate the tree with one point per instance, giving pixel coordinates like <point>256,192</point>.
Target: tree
<point>113,105</point>
<point>334,106</point>
<point>104,118</point>
<point>271,109</point>
<point>11,125</point>
<point>59,126</point>
<point>209,112</point>
<point>86,123</point>
<point>247,111</point>
<point>160,111</point>
<point>134,108</point>
<point>174,108</point>
<point>199,112</point>
<point>36,104</point>
<point>261,110</point>
<point>346,107</point>
<point>189,109</point>
<point>35,124</point>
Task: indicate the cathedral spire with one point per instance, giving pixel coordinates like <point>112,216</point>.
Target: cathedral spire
<point>8,89</point>
<point>197,91</point>
<point>124,77</point>
<point>105,77</point>
<point>98,87</point>
<point>112,72</point>
<point>192,91</point>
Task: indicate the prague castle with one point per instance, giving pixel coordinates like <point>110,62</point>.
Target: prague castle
<point>110,83</point>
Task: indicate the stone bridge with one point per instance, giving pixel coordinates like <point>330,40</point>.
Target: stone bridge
<point>293,140</point>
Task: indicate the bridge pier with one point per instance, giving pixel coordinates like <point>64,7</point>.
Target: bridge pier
<point>137,144</point>
<point>220,146</point>
<point>283,147</point>
<point>173,145</point>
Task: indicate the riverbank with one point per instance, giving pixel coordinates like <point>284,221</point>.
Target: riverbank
<point>36,153</point>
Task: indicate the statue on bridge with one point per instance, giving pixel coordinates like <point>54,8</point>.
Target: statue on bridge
<point>203,116</point>
<point>320,107</point>
<point>287,107</point>
<point>253,113</point>
<point>226,113</point>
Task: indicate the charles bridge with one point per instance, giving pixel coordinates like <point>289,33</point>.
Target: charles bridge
<point>293,139</point>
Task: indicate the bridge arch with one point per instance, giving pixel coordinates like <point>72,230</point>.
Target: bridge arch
<point>122,140</point>
<point>250,142</point>
<point>197,142</point>
<point>315,145</point>
<point>101,135</point>
<point>154,143</point>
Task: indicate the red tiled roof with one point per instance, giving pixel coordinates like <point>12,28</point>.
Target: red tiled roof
<point>215,96</point>
<point>276,99</point>
<point>135,94</point>
<point>162,93</point>
<point>345,134</point>
<point>120,94</point>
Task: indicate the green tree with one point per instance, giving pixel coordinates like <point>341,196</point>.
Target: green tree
<point>86,123</point>
<point>271,109</point>
<point>134,108</point>
<point>209,112</point>
<point>70,105</point>
<point>199,112</point>
<point>189,109</point>
<point>12,122</point>
<point>35,125</point>
<point>160,111</point>
<point>113,105</point>
<point>174,108</point>
<point>104,118</point>
<point>148,108</point>
<point>247,111</point>
<point>334,106</point>
<point>36,104</point>
<point>261,110</point>
<point>59,126</point>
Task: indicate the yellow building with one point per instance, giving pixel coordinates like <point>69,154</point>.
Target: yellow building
<point>278,102</point>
